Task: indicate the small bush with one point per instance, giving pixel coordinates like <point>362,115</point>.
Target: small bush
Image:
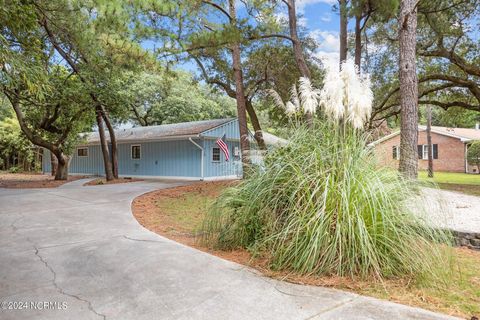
<point>321,205</point>
<point>14,170</point>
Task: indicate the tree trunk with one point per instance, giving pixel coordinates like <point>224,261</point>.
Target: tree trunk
<point>408,90</point>
<point>240,92</point>
<point>358,40</point>
<point>256,125</point>
<point>429,141</point>
<point>62,167</point>
<point>103,142</point>
<point>113,141</point>
<point>343,30</point>
<point>298,50</point>
<point>53,163</point>
<point>297,45</point>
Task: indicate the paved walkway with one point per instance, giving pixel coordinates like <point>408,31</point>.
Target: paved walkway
<point>81,245</point>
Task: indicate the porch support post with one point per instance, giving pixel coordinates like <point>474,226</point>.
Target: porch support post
<point>202,157</point>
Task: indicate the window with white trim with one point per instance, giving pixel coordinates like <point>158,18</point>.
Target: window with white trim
<point>215,154</point>
<point>423,151</point>
<point>136,151</point>
<point>396,152</point>
<point>82,152</point>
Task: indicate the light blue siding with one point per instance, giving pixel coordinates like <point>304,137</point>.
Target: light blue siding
<point>231,129</point>
<point>92,164</point>
<point>179,158</point>
<point>233,167</point>
<point>46,165</point>
<point>170,158</point>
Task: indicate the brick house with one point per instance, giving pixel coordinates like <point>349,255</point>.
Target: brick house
<point>449,149</point>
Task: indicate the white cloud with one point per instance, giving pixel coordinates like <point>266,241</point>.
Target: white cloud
<point>326,40</point>
<point>282,17</point>
<point>301,4</point>
<point>328,45</point>
<point>302,22</point>
<point>328,58</point>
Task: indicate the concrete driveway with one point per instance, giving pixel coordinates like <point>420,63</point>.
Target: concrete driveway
<point>78,253</point>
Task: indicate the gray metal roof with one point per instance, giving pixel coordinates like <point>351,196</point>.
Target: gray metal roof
<point>163,131</point>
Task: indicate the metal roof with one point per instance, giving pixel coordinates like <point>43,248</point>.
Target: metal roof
<point>164,131</point>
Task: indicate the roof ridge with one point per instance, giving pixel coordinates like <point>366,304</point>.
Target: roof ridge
<point>163,131</point>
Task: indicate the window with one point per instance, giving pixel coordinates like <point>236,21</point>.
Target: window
<point>236,151</point>
<point>216,154</point>
<point>423,151</point>
<point>136,152</point>
<point>82,152</point>
<point>396,152</point>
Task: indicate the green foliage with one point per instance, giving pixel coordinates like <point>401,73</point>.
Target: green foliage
<point>321,205</point>
<point>455,117</point>
<point>473,154</point>
<point>14,170</point>
<point>12,140</point>
<point>447,60</point>
<point>170,97</point>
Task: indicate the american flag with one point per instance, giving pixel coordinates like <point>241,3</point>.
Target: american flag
<point>223,146</point>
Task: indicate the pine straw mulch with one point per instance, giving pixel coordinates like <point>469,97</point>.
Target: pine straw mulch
<point>102,181</point>
<point>32,180</point>
<point>146,211</point>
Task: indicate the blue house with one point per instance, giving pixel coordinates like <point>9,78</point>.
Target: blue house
<point>173,151</point>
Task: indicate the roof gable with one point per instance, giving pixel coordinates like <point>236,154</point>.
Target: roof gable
<point>230,129</point>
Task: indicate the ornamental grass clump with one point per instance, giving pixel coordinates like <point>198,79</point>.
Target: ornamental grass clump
<point>321,205</point>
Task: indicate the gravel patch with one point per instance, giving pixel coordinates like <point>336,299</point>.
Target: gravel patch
<point>452,210</point>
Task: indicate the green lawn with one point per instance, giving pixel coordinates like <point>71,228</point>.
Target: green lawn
<point>451,177</point>
<point>460,182</point>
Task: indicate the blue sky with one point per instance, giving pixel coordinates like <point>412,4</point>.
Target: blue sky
<point>323,25</point>
<point>320,21</point>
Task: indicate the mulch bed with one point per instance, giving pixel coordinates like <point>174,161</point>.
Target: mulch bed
<point>101,181</point>
<point>147,213</point>
<point>32,180</point>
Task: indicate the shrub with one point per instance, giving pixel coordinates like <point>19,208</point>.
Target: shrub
<point>321,205</point>
<point>473,154</point>
<point>14,170</point>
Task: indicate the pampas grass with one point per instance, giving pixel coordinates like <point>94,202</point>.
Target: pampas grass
<point>321,206</point>
<point>345,95</point>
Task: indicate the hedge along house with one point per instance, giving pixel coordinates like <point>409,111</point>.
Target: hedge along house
<point>174,151</point>
<point>449,149</point>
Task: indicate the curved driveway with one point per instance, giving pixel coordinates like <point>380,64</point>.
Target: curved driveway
<point>80,250</point>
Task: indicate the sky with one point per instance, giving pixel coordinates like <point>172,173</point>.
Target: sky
<point>322,24</point>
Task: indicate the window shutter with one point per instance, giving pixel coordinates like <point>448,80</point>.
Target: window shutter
<point>435,151</point>
<point>394,152</point>
<point>420,151</point>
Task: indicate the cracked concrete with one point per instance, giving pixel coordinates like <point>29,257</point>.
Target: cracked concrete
<point>62,291</point>
<point>81,245</point>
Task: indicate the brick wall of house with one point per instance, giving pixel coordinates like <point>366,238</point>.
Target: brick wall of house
<point>451,153</point>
